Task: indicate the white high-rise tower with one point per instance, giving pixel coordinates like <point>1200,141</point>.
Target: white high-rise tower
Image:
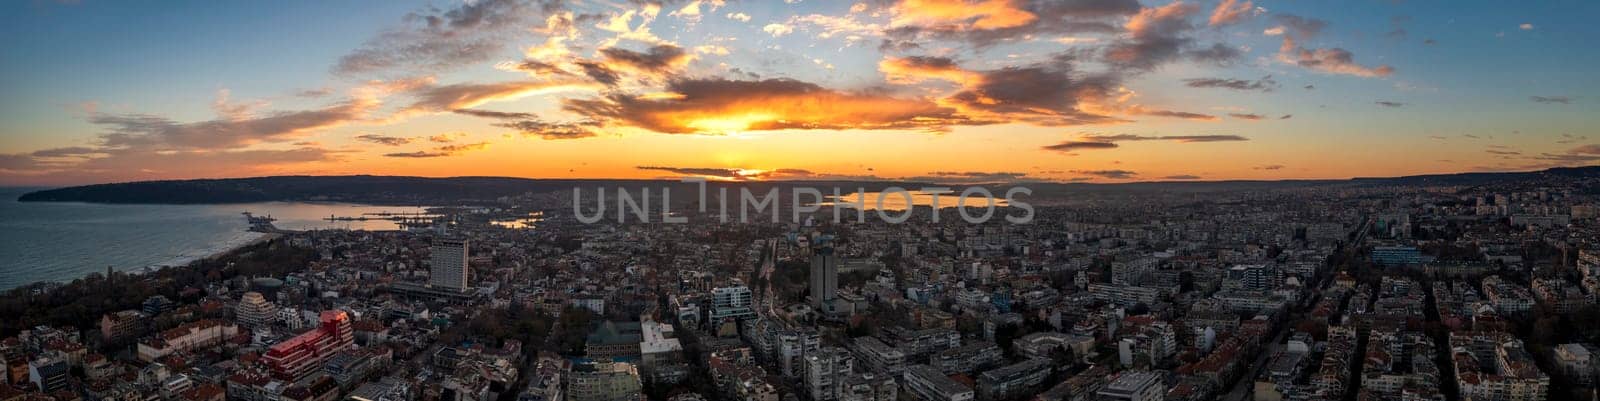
<point>449,264</point>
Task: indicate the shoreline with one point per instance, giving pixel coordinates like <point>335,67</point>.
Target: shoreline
<point>245,240</point>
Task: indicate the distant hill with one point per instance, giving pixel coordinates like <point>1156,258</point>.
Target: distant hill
<point>423,190</point>
<point>369,189</point>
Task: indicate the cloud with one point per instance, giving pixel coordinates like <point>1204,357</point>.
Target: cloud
<point>1525,27</point>
<point>1182,177</point>
<point>982,23</point>
<point>1090,142</point>
<point>1110,174</point>
<point>1156,35</point>
<point>968,177</point>
<point>454,97</point>
<point>1045,93</point>
<point>442,151</point>
<point>1300,27</point>
<point>1550,99</point>
<point>501,115</point>
<point>914,69</point>
<point>1328,60</point>
<point>599,72</point>
<point>1175,138</point>
<point>1218,54</point>
<point>1269,167</point>
<point>731,173</point>
<point>384,139</point>
<point>720,106</point>
<point>1386,103</point>
<point>741,17</point>
<point>550,130</point>
<point>777,30</point>
<point>1175,114</point>
<point>659,59</point>
<point>1071,146</point>
<point>1265,84</point>
<point>1230,12</point>
<point>1593,149</point>
<point>440,40</point>
<point>1247,116</point>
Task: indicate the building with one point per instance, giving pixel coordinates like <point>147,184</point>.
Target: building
<point>730,303</point>
<point>967,358</point>
<point>254,311</point>
<point>122,325</point>
<point>661,354</point>
<point>1134,386</point>
<point>869,387</point>
<point>449,264</point>
<point>604,381</point>
<point>1396,255</point>
<point>1495,366</point>
<point>49,374</point>
<point>614,340</point>
<point>928,384</point>
<point>1577,363</point>
<point>875,356</point>
<point>1013,380</point>
<point>188,337</point>
<point>302,355</point>
<point>826,373</point>
<point>824,279</point>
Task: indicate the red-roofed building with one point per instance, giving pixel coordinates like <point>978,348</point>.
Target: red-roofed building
<point>304,354</point>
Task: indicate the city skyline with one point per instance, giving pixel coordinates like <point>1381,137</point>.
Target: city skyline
<point>1090,91</point>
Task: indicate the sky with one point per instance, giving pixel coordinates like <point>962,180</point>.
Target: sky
<point>943,90</point>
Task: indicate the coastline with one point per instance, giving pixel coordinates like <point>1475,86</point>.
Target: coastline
<point>246,239</point>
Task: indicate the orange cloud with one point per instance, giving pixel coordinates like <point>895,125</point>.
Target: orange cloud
<point>962,14</point>
<point>718,106</point>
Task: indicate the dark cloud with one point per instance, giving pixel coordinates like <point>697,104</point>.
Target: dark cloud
<point>1047,94</point>
<point>1177,114</point>
<point>1071,146</point>
<point>1218,54</point>
<point>438,40</point>
<point>549,130</point>
<point>1156,36</point>
<point>1110,174</point>
<point>537,67</point>
<point>658,59</point>
<point>1286,117</point>
<point>1269,167</point>
<point>1182,177</point>
<point>73,151</point>
<point>1386,103</point>
<point>1300,27</point>
<point>968,177</point>
<point>501,115</point>
<point>1265,84</point>
<point>1328,60</point>
<point>733,173</point>
<point>442,151</point>
<point>599,72</point>
<point>1176,138</point>
<point>140,130</point>
<point>1247,116</point>
<point>1397,33</point>
<point>384,140</point>
<point>1550,99</point>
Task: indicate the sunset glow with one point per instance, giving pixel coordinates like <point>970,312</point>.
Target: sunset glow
<point>1060,91</point>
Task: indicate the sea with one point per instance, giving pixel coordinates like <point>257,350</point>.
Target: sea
<point>64,241</point>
